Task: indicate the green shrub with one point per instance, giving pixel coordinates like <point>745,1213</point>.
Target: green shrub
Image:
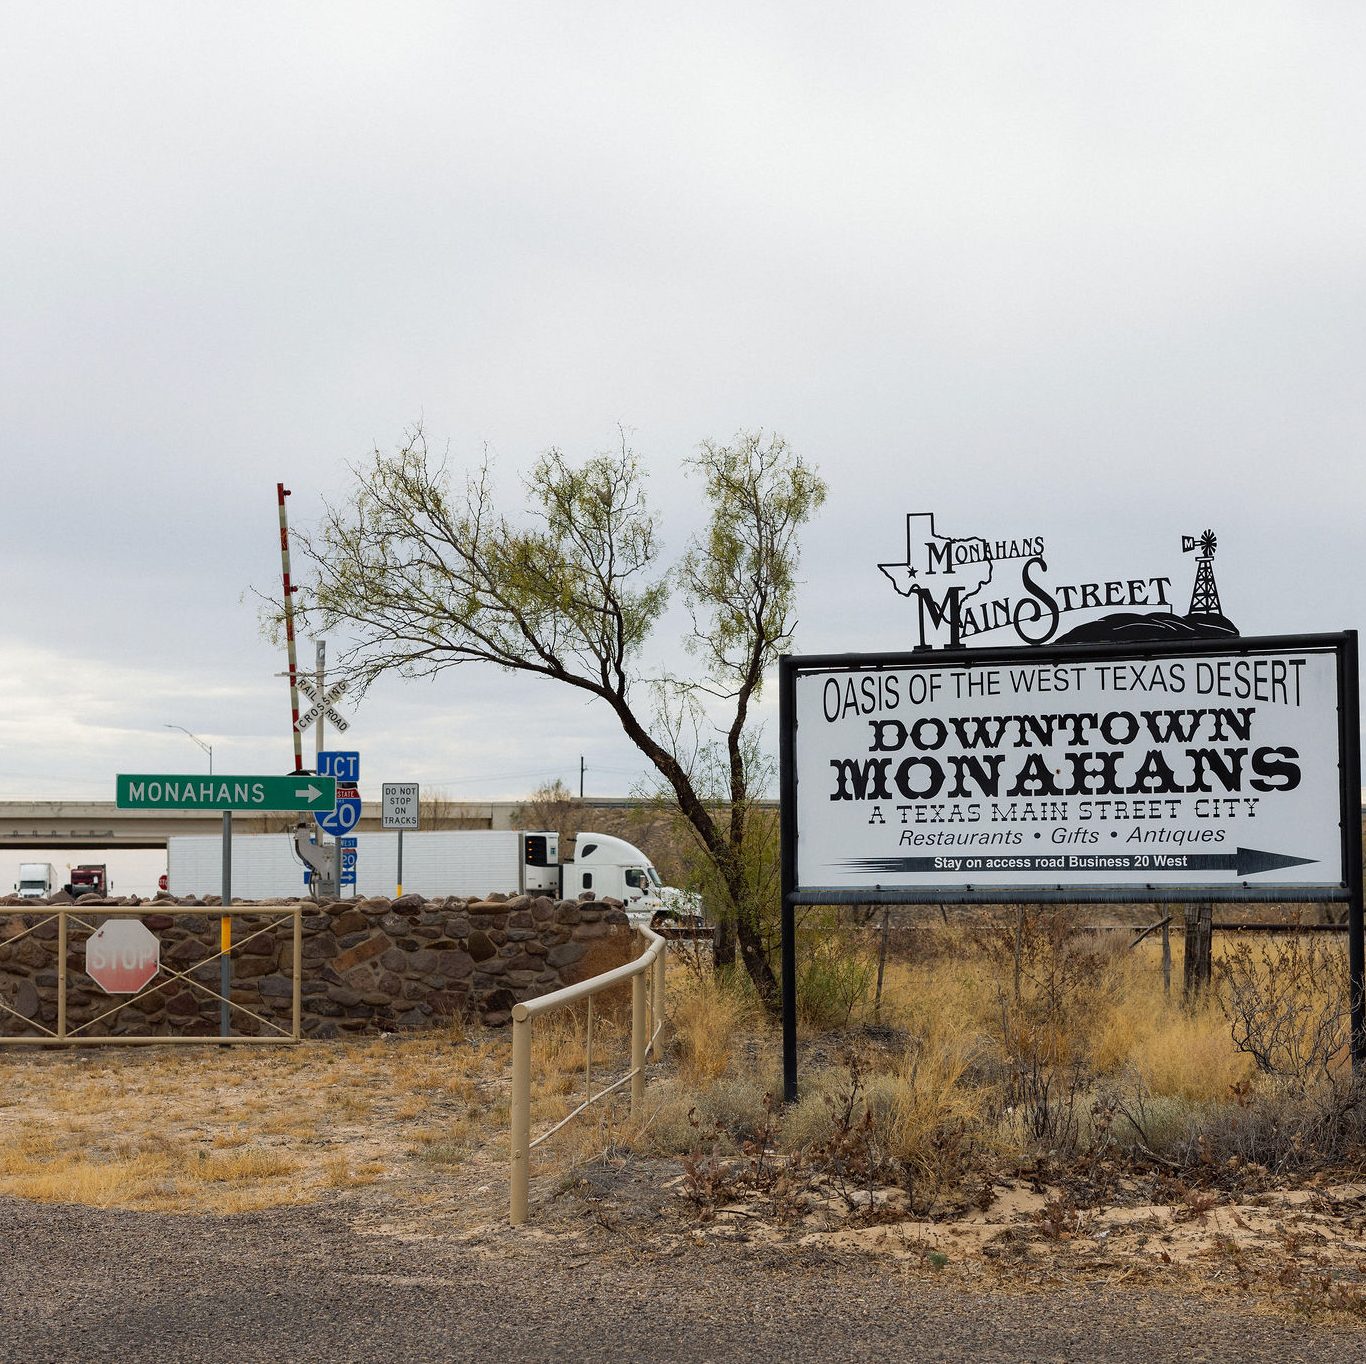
<point>833,980</point>
<point>718,1117</point>
<point>811,1120</point>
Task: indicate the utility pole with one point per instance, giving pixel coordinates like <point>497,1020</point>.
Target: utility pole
<point>320,673</point>
<point>317,718</point>
<point>281,493</point>
<point>320,677</point>
<point>580,776</point>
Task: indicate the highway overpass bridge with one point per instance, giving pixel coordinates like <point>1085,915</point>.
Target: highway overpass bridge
<point>101,824</point>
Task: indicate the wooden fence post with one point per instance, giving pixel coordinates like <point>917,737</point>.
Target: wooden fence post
<point>1199,941</point>
<point>881,960</point>
<point>1205,933</point>
<point>1167,959</point>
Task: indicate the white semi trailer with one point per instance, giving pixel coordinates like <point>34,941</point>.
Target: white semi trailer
<point>36,880</point>
<point>467,862</point>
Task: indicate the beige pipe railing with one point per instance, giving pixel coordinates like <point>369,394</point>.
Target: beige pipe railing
<point>646,974</point>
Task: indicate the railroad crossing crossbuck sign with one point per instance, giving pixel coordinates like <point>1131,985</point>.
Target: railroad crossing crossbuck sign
<point>324,705</point>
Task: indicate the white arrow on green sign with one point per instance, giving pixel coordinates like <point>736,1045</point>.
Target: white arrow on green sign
<point>301,792</point>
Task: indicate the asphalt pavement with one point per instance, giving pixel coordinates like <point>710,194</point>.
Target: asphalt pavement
<point>304,1284</point>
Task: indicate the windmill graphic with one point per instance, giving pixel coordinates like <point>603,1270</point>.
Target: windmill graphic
<point>1205,595</point>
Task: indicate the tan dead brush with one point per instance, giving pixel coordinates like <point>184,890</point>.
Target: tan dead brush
<point>708,1017</point>
<point>931,1097</point>
<point>412,1106</point>
<point>26,1148</point>
<point>337,1115</point>
<point>226,1202</point>
<point>347,1105</point>
<point>94,1183</point>
<point>228,1140</point>
<point>252,1162</point>
<point>597,1130</point>
<point>447,1144</point>
<point>557,1047</point>
<point>339,1172</point>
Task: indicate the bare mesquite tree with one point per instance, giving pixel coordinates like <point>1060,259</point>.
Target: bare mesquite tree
<point>420,577</point>
<point>551,806</point>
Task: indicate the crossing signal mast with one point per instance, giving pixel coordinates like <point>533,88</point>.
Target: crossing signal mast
<point>1205,595</point>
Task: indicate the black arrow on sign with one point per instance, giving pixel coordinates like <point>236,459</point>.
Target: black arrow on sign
<point>1250,861</point>
<point>1244,862</point>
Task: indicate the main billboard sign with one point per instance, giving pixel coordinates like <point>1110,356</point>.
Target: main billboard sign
<point>1111,773</point>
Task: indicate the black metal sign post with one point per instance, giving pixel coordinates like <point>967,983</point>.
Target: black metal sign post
<point>787,831</point>
<point>1349,720</point>
<point>869,820</point>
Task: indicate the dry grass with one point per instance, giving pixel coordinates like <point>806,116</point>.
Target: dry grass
<point>137,1180</point>
<point>1109,1014</point>
<point>1005,1043</point>
<point>934,1100</point>
<point>339,1172</point>
<point>959,1059</point>
<point>708,1017</point>
<point>227,1140</point>
<point>977,1097</point>
<point>241,1166</point>
<point>224,1130</point>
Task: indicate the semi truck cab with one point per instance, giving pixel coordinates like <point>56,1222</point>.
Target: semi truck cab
<point>36,880</point>
<point>90,878</point>
<point>609,866</point>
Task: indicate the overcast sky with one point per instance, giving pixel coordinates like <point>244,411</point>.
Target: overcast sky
<point>1091,272</point>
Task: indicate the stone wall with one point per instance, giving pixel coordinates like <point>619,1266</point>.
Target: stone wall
<point>372,965</point>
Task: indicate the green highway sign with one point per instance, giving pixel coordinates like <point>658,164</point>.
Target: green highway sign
<point>299,792</point>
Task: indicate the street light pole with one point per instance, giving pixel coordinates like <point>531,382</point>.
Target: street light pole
<point>208,748</point>
<point>224,918</point>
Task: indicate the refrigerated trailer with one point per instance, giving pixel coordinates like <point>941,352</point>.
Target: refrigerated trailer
<point>464,862</point>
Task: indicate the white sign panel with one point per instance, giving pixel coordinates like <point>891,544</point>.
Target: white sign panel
<point>399,805</point>
<point>1209,769</point>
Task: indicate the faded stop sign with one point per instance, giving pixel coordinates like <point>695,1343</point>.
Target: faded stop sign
<point>121,956</point>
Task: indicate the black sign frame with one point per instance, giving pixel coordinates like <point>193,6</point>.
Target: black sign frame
<point>1343,645</point>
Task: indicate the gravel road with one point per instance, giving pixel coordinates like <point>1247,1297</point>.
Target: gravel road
<point>304,1284</point>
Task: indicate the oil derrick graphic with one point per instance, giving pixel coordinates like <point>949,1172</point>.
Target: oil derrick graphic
<point>1204,595</point>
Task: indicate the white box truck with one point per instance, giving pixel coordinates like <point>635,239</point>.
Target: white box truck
<point>466,862</point>
<point>36,880</point>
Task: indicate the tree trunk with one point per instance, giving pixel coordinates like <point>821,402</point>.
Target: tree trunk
<point>723,949</point>
<point>757,963</point>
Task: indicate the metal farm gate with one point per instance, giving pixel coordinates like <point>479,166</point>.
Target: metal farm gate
<point>74,928</point>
